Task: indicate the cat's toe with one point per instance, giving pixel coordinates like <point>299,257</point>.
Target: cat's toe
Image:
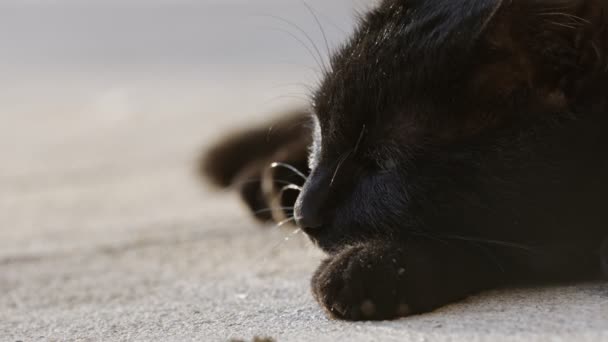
<point>355,285</point>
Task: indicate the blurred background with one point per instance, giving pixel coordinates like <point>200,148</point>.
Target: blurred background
<point>104,104</point>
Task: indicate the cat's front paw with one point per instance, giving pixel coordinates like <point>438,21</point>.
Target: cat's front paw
<point>363,282</point>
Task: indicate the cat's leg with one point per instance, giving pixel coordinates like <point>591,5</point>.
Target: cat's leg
<point>384,280</point>
<point>243,161</point>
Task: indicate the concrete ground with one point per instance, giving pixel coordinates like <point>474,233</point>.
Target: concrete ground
<point>105,232</point>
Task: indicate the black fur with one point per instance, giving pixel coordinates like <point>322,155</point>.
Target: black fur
<point>458,145</point>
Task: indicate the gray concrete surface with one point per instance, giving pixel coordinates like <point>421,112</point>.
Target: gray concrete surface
<point>105,234</point>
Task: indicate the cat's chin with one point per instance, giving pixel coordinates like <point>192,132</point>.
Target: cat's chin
<point>322,238</point>
<point>331,241</point>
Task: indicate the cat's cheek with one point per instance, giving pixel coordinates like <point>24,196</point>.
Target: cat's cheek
<point>357,285</point>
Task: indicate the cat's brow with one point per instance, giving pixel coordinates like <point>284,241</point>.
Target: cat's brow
<point>341,161</point>
<point>348,154</point>
<point>361,136</point>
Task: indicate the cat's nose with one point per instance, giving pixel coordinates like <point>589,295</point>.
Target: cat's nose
<point>311,204</point>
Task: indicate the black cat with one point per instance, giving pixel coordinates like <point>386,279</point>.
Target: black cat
<point>454,146</point>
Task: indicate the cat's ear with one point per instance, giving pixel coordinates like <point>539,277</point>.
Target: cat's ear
<point>471,17</point>
<point>562,44</point>
<point>573,35</point>
<point>459,23</point>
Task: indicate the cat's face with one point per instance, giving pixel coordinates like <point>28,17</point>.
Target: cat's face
<point>431,115</point>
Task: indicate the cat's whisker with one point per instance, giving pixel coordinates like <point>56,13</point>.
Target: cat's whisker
<point>347,154</point>
<point>291,187</point>
<point>302,85</point>
<point>314,15</point>
<point>320,60</point>
<point>284,222</point>
<point>361,136</point>
<point>278,98</point>
<point>339,166</point>
<point>489,255</point>
<point>566,15</point>
<point>268,210</point>
<point>490,241</point>
<point>289,167</point>
<point>477,244</point>
<point>259,180</point>
<point>300,41</point>
<point>236,186</point>
<point>282,241</point>
<point>560,24</point>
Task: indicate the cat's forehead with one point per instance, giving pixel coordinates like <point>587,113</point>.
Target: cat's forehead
<point>410,43</point>
<point>401,52</point>
<point>452,68</point>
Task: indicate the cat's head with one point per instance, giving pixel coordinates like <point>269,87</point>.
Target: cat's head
<point>436,113</point>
